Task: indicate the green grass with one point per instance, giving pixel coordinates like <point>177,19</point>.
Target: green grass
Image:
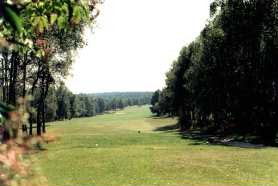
<point>107,150</point>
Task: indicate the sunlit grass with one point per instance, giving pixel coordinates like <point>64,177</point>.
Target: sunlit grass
<point>108,150</point>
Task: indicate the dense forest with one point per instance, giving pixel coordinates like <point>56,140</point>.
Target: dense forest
<point>62,104</point>
<point>226,81</point>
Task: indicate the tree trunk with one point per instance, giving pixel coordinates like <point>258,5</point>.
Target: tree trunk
<point>24,76</point>
<point>6,79</point>
<point>13,78</point>
<point>1,8</point>
<point>43,116</point>
<point>39,123</point>
<point>41,105</point>
<point>184,119</point>
<point>48,80</point>
<point>32,93</point>
<point>2,78</point>
<point>30,124</point>
<point>24,125</point>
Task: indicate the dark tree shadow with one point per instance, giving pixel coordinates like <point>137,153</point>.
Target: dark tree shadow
<point>158,117</point>
<point>201,138</point>
<point>168,128</point>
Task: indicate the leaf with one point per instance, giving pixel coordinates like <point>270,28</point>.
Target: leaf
<point>40,23</point>
<point>53,18</point>
<point>11,17</point>
<point>65,9</point>
<point>40,27</point>
<point>44,21</point>
<point>61,22</point>
<point>40,53</point>
<point>76,14</point>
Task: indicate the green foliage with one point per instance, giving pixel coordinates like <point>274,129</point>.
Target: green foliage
<point>225,81</point>
<point>39,23</point>
<point>62,104</point>
<point>5,109</point>
<point>12,18</point>
<point>155,97</point>
<point>38,40</point>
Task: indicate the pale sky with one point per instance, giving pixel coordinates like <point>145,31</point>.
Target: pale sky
<point>135,43</point>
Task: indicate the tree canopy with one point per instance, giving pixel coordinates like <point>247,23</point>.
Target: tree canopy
<point>226,80</point>
<point>38,41</point>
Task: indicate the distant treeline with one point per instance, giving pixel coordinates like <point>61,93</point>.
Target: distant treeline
<point>62,104</point>
<point>226,81</point>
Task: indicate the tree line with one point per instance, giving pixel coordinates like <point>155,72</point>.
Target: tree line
<point>226,81</point>
<point>62,104</point>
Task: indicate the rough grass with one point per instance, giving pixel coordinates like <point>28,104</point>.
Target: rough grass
<point>107,150</point>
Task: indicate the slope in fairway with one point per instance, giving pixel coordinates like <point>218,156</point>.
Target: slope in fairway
<point>108,150</point>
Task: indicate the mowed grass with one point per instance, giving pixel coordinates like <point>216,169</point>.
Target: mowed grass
<point>107,150</point>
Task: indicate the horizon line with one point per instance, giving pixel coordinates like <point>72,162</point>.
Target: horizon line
<point>107,92</point>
